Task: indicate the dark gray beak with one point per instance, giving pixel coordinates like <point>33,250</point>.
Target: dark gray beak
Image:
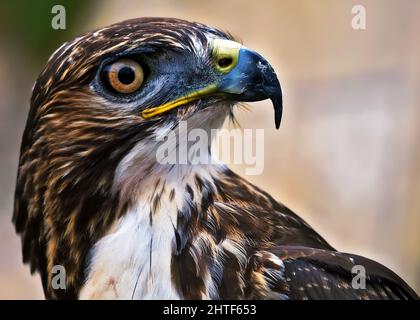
<point>253,79</point>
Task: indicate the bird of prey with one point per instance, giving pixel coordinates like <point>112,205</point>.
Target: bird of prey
<point>92,197</point>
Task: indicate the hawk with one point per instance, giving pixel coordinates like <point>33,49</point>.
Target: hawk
<point>92,197</point>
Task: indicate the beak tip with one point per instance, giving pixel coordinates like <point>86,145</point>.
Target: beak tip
<point>278,110</point>
<point>277,121</point>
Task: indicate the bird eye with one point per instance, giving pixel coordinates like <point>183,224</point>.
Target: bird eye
<point>123,76</point>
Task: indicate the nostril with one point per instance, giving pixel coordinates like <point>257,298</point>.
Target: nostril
<point>225,62</point>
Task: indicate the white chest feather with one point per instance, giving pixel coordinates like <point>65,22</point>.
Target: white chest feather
<point>134,260</point>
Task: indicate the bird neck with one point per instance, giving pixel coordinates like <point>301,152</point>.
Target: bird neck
<point>149,233</point>
<point>164,200</point>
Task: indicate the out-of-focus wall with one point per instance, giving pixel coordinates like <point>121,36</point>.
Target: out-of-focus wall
<point>347,156</point>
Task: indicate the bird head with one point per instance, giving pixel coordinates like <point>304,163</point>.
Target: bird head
<point>128,84</point>
<point>152,73</point>
<point>101,95</point>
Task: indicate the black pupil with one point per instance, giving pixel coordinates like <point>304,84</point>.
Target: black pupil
<point>126,75</point>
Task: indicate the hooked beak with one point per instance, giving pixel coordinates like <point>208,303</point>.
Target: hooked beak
<point>246,76</point>
<point>254,79</point>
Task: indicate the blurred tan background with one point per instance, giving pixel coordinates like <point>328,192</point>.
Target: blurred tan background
<point>347,156</point>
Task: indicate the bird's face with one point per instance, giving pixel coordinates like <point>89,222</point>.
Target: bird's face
<point>106,91</point>
<point>152,73</point>
<point>181,73</point>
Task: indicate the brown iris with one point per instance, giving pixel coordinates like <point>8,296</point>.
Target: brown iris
<point>125,76</point>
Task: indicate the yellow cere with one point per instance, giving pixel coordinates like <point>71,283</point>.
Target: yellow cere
<point>225,50</point>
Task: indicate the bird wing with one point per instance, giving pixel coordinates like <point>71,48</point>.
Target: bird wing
<point>294,272</point>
